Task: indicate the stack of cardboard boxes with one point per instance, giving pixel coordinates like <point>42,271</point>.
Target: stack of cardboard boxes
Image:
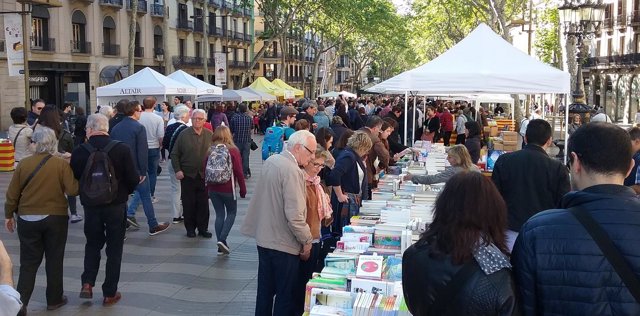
<point>508,141</point>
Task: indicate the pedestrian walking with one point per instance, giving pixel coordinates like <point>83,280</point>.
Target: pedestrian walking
<point>240,125</point>
<point>104,218</point>
<point>187,157</point>
<point>181,118</point>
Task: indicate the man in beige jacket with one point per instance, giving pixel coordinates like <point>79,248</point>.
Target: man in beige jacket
<point>276,218</point>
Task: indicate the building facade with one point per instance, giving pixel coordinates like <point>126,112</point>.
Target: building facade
<point>612,70</point>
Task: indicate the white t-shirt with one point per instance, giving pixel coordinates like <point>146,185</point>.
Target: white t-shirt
<point>154,125</point>
<point>10,302</point>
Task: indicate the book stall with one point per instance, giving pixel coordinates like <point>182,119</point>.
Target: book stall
<point>363,276</point>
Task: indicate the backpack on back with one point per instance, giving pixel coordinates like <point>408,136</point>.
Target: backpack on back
<point>219,167</point>
<point>98,184</point>
<point>273,142</point>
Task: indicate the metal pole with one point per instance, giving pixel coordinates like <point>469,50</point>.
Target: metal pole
<point>406,106</point>
<point>205,32</point>
<point>413,140</point>
<point>26,31</point>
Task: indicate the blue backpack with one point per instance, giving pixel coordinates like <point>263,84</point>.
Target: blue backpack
<point>273,142</point>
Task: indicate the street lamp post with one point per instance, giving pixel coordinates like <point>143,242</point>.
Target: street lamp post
<point>582,20</point>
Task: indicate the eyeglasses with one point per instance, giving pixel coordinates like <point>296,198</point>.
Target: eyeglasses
<point>198,118</point>
<point>316,164</point>
<point>309,150</point>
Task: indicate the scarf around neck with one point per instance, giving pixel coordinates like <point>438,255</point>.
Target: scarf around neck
<point>324,203</point>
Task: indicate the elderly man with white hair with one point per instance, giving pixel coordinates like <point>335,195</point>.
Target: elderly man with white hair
<point>36,200</point>
<point>107,111</point>
<point>187,157</point>
<point>104,222</point>
<point>181,118</point>
<point>276,218</point>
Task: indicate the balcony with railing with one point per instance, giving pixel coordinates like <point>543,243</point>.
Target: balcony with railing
<point>187,61</point>
<point>110,49</point>
<point>227,4</point>
<point>634,18</point>
<point>215,31</point>
<point>46,3</point>
<point>184,25</point>
<point>198,26</point>
<point>138,52</point>
<point>621,21</point>
<point>248,38</point>
<point>85,1</point>
<point>607,24</point>
<point>238,64</point>
<point>43,45</point>
<point>238,35</point>
<point>627,60</point>
<point>157,10</point>
<point>272,55</point>
<point>142,6</point>
<point>248,11</point>
<point>111,3</point>
<point>80,47</point>
<point>215,3</point>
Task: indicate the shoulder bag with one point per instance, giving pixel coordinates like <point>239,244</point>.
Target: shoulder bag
<point>613,255</point>
<point>33,173</point>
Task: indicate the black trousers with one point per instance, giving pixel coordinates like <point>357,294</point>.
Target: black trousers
<point>446,136</point>
<point>195,204</point>
<point>277,273</point>
<point>307,268</point>
<point>104,224</point>
<point>48,238</point>
<point>460,139</point>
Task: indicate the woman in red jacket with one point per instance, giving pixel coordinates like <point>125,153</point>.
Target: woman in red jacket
<point>223,196</point>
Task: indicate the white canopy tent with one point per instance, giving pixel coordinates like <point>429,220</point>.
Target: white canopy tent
<point>230,95</point>
<point>202,88</point>
<point>335,94</point>
<point>263,95</point>
<point>482,63</point>
<point>146,82</point>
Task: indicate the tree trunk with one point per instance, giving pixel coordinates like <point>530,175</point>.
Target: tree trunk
<point>283,40</point>
<point>314,75</point>
<point>132,35</point>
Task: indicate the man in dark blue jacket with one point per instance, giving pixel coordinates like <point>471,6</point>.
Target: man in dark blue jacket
<point>529,180</point>
<point>559,268</point>
<point>132,133</point>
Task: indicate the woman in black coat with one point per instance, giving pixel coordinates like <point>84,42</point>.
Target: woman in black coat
<point>460,265</point>
<point>472,140</point>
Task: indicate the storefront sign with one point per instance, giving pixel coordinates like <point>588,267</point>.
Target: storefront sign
<point>38,79</point>
<point>221,69</point>
<point>130,91</point>
<point>14,45</point>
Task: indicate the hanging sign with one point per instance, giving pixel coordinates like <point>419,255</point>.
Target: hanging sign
<point>14,45</point>
<point>221,69</point>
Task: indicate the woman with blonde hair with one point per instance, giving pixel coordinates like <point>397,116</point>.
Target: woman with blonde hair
<point>223,195</point>
<point>349,180</point>
<point>459,159</point>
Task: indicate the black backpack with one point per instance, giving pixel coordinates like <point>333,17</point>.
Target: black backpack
<point>98,184</point>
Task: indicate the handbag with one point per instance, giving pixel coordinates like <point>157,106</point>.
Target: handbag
<point>33,173</point>
<point>254,146</point>
<point>610,251</point>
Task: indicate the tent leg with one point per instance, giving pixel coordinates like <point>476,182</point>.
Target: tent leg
<point>413,140</point>
<point>406,107</point>
<point>566,132</point>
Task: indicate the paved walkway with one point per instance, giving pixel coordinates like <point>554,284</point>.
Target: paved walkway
<point>167,274</point>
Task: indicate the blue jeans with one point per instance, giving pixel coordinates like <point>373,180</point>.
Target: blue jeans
<point>245,150</point>
<point>223,224</point>
<point>142,193</point>
<point>152,169</point>
<point>277,274</point>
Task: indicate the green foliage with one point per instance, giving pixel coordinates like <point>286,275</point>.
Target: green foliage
<point>547,35</point>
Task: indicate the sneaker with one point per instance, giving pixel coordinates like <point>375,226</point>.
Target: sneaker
<point>154,200</point>
<point>86,291</point>
<point>108,301</point>
<point>158,229</point>
<point>56,306</point>
<point>178,220</point>
<point>222,245</point>
<point>133,222</point>
<point>191,234</point>
<point>76,218</point>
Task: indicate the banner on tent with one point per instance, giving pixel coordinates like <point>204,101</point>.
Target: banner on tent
<point>221,68</point>
<point>14,46</point>
<point>289,94</point>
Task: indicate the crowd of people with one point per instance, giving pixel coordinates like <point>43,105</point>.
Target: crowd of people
<point>512,242</point>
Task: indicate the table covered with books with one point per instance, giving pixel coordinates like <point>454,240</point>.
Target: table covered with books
<point>363,275</point>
